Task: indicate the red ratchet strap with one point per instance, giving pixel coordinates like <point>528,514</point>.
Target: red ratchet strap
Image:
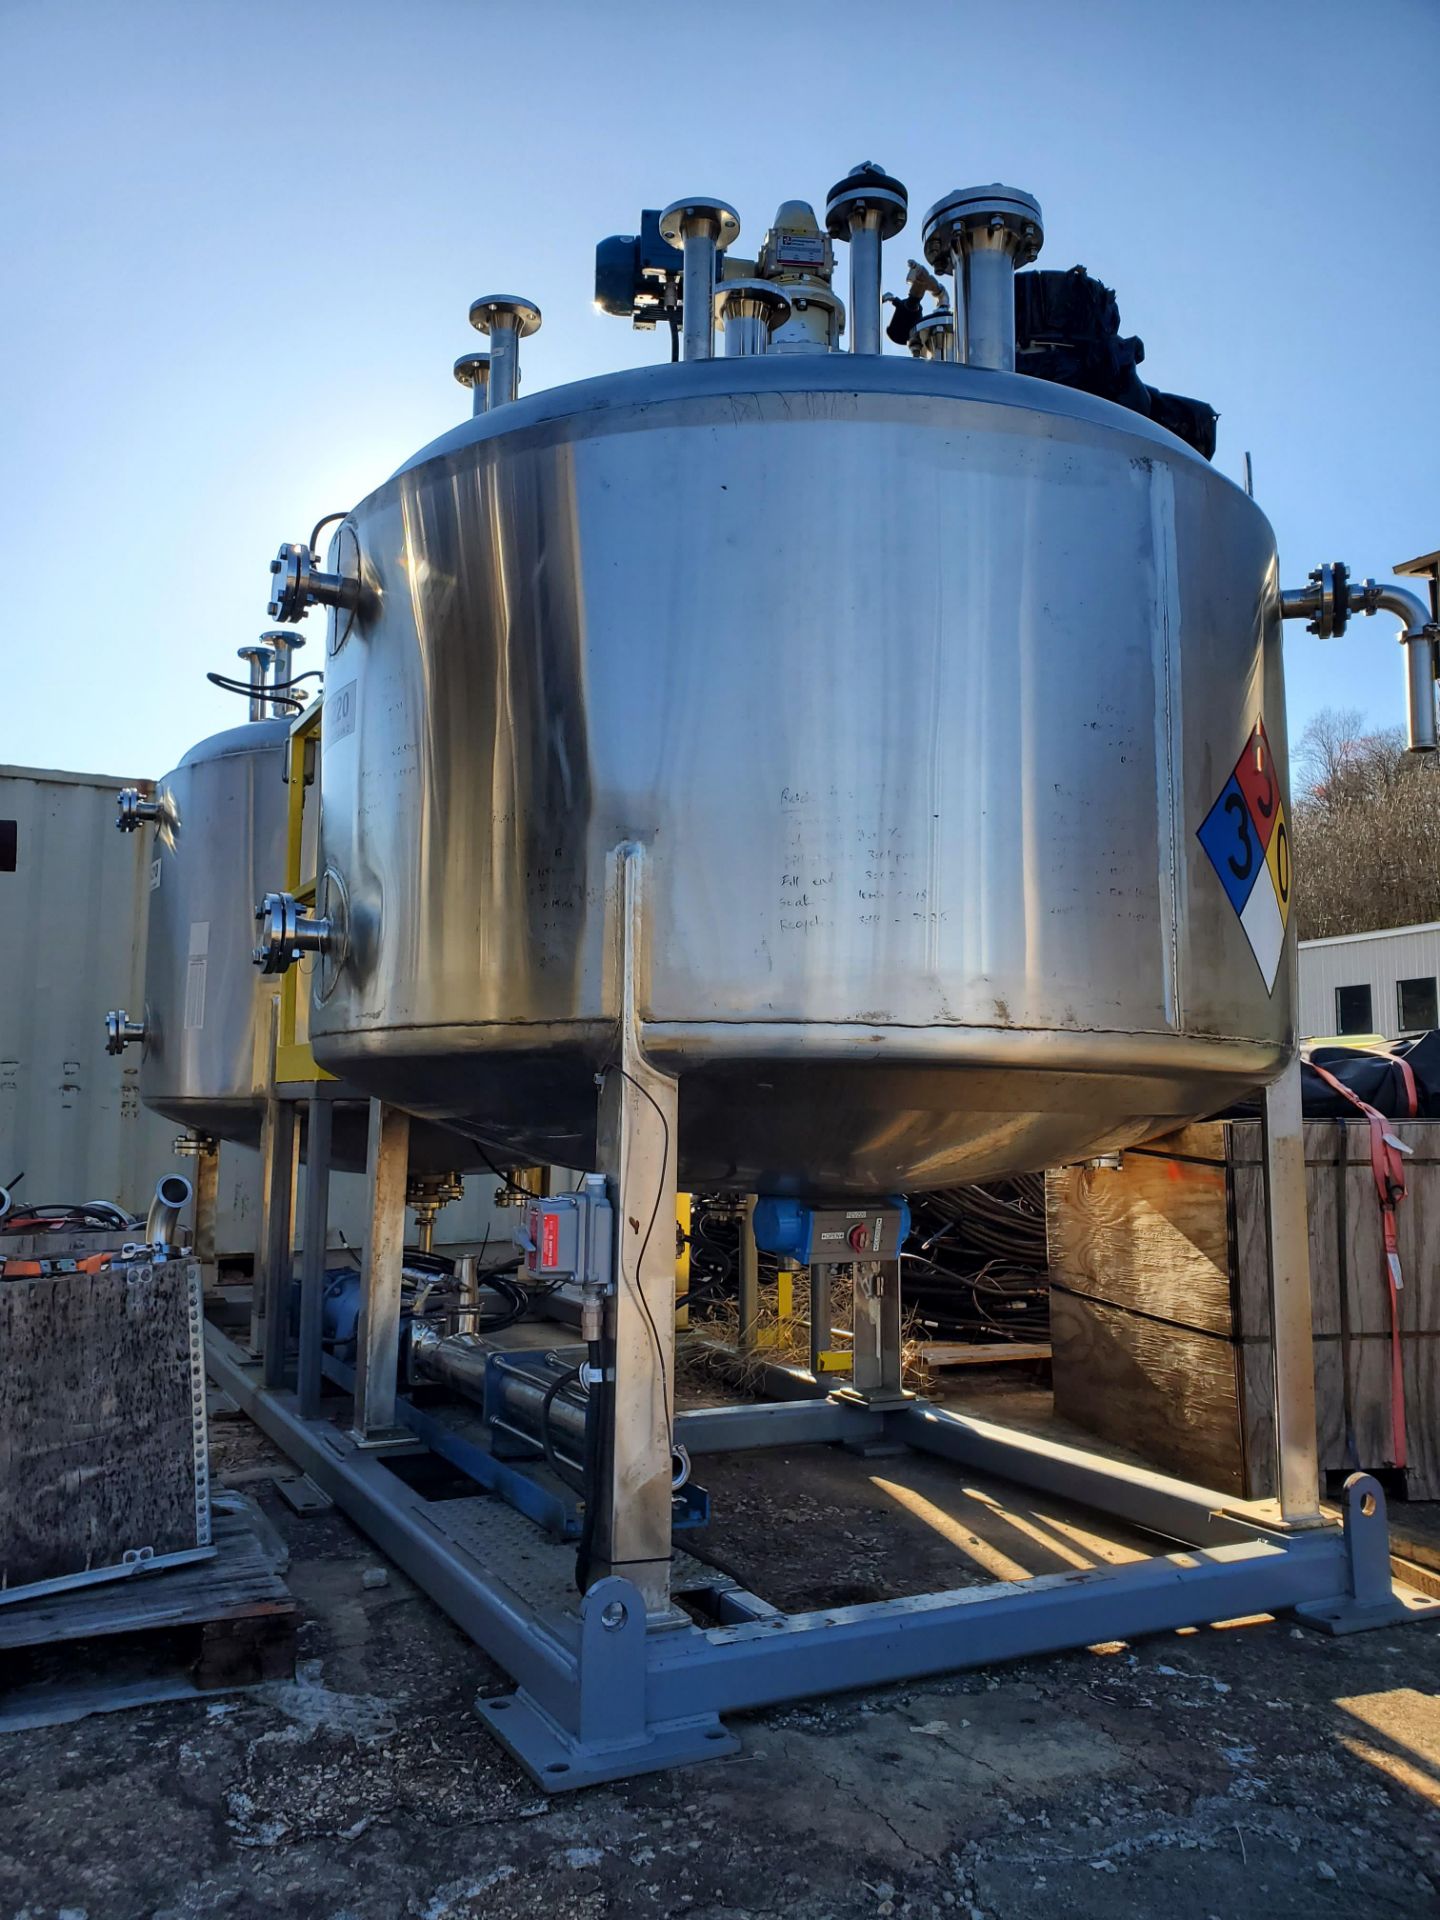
<point>1387,1164</point>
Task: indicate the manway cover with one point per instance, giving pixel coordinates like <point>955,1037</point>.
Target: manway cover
<point>103,1463</point>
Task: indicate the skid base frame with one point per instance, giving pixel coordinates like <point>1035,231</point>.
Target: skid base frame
<point>601,1696</point>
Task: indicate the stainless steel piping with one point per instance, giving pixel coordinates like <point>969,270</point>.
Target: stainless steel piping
<point>981,235</point>
<point>172,1192</point>
<point>473,370</point>
<point>1326,604</point>
<point>282,668</point>
<point>866,208</point>
<point>507,319</point>
<point>702,229</point>
<point>260,659</point>
<point>749,310</point>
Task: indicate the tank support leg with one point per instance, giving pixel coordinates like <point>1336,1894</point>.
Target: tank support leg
<point>638,1124</point>
<point>378,1350</point>
<point>819,1319</point>
<point>749,1277</point>
<point>1297,1475</point>
<point>876,1376</point>
<point>270,1298</point>
<point>312,1262</point>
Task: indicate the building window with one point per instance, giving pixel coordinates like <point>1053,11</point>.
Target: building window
<point>8,837</point>
<point>1417,1005</point>
<point>1353,1012</point>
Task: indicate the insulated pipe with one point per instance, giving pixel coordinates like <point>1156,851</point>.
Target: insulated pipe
<point>981,235</point>
<point>702,229</point>
<point>866,208</point>
<point>473,370</point>
<point>172,1192</point>
<point>260,659</point>
<point>508,320</point>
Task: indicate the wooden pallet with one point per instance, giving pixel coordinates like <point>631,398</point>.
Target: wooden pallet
<point>200,1629</point>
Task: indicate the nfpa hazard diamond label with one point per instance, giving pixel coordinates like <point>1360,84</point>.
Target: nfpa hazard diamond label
<point>1246,836</point>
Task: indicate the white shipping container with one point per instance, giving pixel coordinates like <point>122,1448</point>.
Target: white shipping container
<point>74,898</point>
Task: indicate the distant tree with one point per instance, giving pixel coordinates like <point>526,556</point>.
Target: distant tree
<point>1366,828</point>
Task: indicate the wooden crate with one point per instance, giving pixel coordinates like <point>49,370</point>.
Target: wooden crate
<point>1160,1320</point>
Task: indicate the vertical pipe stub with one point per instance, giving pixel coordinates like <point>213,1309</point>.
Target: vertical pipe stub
<point>473,370</point>
<point>866,208</point>
<point>701,228</point>
<point>749,310</point>
<point>260,659</point>
<point>286,645</point>
<point>508,320</point>
<point>982,235</point>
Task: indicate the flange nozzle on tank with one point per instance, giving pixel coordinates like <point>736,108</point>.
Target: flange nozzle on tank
<point>299,584</point>
<point>121,1031</point>
<point>288,933</point>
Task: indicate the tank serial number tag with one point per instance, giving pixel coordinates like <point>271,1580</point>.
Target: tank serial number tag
<point>340,712</point>
<point>1247,839</point>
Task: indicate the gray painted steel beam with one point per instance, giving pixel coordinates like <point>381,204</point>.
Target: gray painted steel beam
<point>787,1423</point>
<point>1172,1508</point>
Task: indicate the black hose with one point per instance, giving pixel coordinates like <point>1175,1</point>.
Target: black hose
<point>557,1466</point>
<point>597,1410</point>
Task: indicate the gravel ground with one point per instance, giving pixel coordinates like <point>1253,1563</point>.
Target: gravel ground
<point>1259,1770</point>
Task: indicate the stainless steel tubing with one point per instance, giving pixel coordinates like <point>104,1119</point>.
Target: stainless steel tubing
<point>507,319</point>
<point>865,307</point>
<point>701,228</point>
<point>172,1192</point>
<point>260,659</point>
<point>697,335</point>
<point>986,299</point>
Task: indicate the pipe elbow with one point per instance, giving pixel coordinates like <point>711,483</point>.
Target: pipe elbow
<point>1411,611</point>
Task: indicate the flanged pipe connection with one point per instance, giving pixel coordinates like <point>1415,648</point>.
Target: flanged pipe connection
<point>287,933</point>
<point>507,319</point>
<point>1326,604</point>
<point>299,584</point>
<point>982,235</point>
<point>473,370</point>
<point>749,312</point>
<point>121,1031</point>
<point>702,228</point>
<point>134,809</point>
<point>866,208</point>
<point>933,338</point>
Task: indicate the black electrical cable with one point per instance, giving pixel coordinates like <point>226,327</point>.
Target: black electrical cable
<point>615,1067</point>
<point>547,1441</point>
<point>508,1179</point>
<point>293,701</point>
<point>320,526</point>
<point>597,1420</point>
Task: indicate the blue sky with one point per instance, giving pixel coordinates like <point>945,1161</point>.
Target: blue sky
<point>242,241</point>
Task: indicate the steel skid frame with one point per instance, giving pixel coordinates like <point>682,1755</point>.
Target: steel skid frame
<point>622,1681</point>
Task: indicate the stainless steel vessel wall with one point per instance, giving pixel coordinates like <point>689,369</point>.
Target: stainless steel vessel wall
<point>914,680</point>
<point>205,1056</point>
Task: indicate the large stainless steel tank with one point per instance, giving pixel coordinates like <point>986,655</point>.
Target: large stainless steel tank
<point>916,681</point>
<point>218,842</point>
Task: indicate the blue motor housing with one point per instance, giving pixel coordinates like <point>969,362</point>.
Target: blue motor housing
<point>807,1234</point>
